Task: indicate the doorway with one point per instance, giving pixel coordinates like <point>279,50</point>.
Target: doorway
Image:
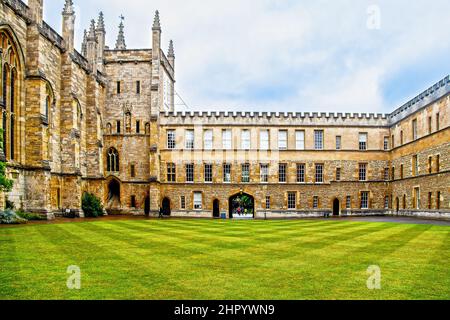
<point>336,208</point>
<point>147,205</point>
<point>166,207</point>
<point>242,204</point>
<point>216,209</point>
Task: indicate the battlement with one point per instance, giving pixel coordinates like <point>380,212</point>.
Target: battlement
<point>249,114</point>
<point>435,92</point>
<point>128,55</point>
<point>277,118</point>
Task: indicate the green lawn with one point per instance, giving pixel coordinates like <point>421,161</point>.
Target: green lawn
<point>204,259</point>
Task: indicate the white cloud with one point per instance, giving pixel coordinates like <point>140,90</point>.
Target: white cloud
<point>290,55</point>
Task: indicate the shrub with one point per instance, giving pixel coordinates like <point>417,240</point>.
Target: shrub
<point>30,216</point>
<point>91,205</point>
<point>10,217</point>
<point>9,204</point>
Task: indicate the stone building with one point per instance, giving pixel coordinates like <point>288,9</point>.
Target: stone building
<point>103,121</point>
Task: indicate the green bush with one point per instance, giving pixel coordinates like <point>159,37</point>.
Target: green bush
<point>30,216</point>
<point>92,206</point>
<point>10,217</point>
<point>9,204</point>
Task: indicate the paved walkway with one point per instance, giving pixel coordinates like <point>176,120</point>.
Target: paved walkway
<point>404,220</point>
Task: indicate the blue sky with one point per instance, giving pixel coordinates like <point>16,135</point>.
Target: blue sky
<point>286,55</point>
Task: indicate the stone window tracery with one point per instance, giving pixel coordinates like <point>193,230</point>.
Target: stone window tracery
<point>112,164</point>
<point>10,71</point>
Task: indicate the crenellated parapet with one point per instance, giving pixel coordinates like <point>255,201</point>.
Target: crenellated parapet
<point>434,93</point>
<point>128,56</point>
<point>275,118</point>
<point>429,96</point>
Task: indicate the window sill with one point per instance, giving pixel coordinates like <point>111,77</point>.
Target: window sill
<point>44,120</point>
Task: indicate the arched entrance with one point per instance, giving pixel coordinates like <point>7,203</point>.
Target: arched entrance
<point>397,205</point>
<point>166,207</point>
<point>113,204</point>
<point>336,207</point>
<point>242,205</point>
<point>147,205</point>
<point>216,209</point>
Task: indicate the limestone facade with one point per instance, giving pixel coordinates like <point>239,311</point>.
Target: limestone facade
<point>102,120</point>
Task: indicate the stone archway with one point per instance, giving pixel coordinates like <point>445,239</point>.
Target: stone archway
<point>113,204</point>
<point>242,205</point>
<point>336,207</point>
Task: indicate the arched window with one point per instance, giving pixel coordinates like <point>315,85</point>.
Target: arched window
<point>10,84</point>
<point>112,165</point>
<point>109,128</point>
<point>77,114</point>
<point>12,128</point>
<point>147,128</point>
<point>12,93</point>
<point>47,107</point>
<point>4,126</point>
<point>5,84</point>
<point>11,137</point>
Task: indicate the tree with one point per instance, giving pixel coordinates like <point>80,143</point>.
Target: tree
<point>92,206</point>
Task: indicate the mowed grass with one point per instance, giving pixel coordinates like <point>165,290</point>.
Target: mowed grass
<point>204,259</point>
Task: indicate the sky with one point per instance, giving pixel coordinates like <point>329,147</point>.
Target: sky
<point>286,55</point>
